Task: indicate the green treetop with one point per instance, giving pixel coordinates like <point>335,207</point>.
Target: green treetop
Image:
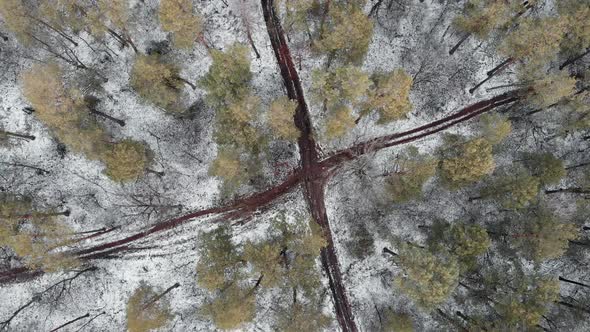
<point>523,308</point>
<point>467,242</point>
<point>481,17</point>
<point>536,40</point>
<point>513,189</point>
<point>413,171</point>
<point>33,235</point>
<point>265,258</point>
<point>390,95</point>
<point>62,110</point>
<point>466,162</point>
<point>396,322</point>
<point>302,317</point>
<point>549,89</point>
<point>219,259</point>
<point>340,121</point>
<point>14,15</point>
<point>577,14</point>
<point>157,82</point>
<point>229,167</point>
<point>228,78</point>
<point>236,125</point>
<point>428,278</point>
<point>494,127</point>
<point>179,18</point>
<point>543,236</point>
<point>545,166</point>
<point>127,160</point>
<point>143,314</point>
<point>347,34</point>
<point>281,118</point>
<point>232,308</point>
<point>342,85</point>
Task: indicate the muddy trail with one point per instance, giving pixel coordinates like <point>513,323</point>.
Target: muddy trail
<point>314,176</point>
<point>240,208</point>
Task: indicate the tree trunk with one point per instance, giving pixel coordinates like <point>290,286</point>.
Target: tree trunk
<point>23,136</point>
<point>106,116</point>
<point>573,282</point>
<point>577,166</point>
<point>161,295</point>
<point>573,306</point>
<point>39,170</point>
<point>160,174</point>
<point>574,59</point>
<point>461,41</point>
<point>568,190</point>
<point>500,67</point>
<point>388,251</point>
<point>70,322</point>
<point>451,320</point>
<point>186,82</point>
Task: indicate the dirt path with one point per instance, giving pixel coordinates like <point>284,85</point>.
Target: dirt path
<point>314,174</point>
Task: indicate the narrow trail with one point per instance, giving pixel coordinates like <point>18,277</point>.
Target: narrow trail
<point>428,129</point>
<point>236,209</point>
<point>314,174</point>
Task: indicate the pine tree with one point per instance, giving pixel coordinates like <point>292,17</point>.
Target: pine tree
<point>232,308</point>
<point>303,245</point>
<point>35,237</point>
<point>228,78</point>
<point>265,258</point>
<point>281,118</point>
<point>63,111</point>
<point>157,82</point>
<point>219,258</point>
<point>347,34</point>
<point>535,40</point>
<point>467,242</point>
<point>229,167</point>
<point>346,85</point>
<point>339,122</point>
<point>428,279</point>
<point>127,160</point>
<point>302,317</point>
<point>513,189</point>
<point>179,18</point>
<point>577,14</point>
<point>390,95</point>
<point>15,17</point>
<point>466,162</point>
<point>406,182</point>
<point>523,308</point>
<point>545,166</point>
<point>481,17</point>
<point>145,315</point>
<point>299,12</point>
<point>107,15</point>
<point>494,127</point>
<point>550,89</point>
<point>236,125</point>
<point>543,236</point>
<point>393,321</point>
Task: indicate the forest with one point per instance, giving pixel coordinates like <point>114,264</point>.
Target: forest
<point>294,165</point>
